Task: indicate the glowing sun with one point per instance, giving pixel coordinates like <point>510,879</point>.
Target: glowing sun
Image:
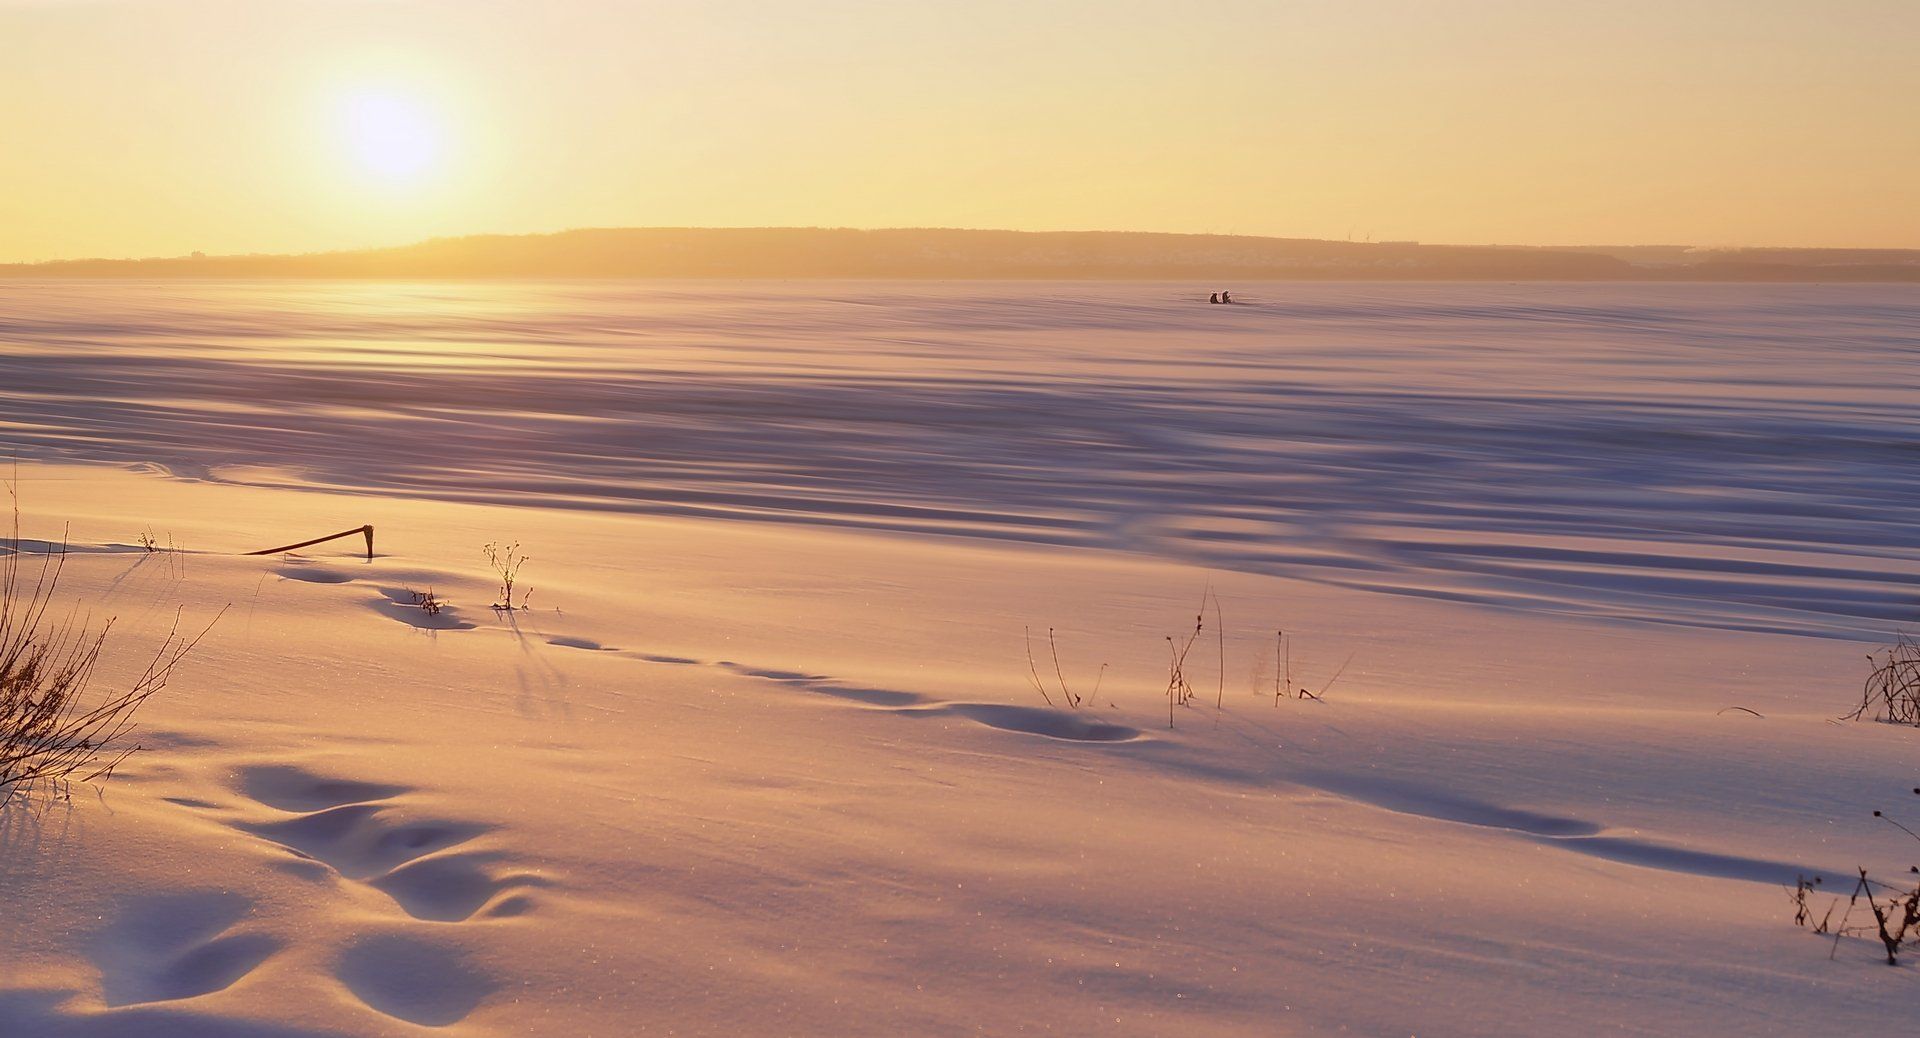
<point>390,136</point>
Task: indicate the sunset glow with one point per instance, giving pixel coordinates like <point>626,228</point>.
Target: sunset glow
<point>160,128</point>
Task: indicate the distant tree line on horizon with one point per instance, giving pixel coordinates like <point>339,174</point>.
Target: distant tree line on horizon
<point>931,253</point>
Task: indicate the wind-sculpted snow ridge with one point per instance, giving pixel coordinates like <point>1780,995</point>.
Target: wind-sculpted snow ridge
<point>1740,457</point>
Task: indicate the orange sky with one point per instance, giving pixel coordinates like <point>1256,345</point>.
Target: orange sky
<point>158,128</point>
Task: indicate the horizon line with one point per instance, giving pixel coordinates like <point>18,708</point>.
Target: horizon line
<point>1369,240</point>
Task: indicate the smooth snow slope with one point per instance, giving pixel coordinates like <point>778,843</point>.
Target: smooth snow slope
<point>759,780</point>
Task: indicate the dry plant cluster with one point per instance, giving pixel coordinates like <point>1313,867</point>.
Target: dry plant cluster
<point>1891,694</point>
<point>1892,689</point>
<point>1068,697</point>
<point>52,732</point>
<point>506,560</point>
<point>1894,909</point>
<point>1180,691</point>
<point>429,603</point>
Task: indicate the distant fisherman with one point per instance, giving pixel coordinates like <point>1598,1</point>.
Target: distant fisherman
<point>1214,298</point>
<point>1226,297</point>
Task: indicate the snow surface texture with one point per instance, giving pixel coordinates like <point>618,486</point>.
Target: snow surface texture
<point>759,778</point>
<point>1729,456</point>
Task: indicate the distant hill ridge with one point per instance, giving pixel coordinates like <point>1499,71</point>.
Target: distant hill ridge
<point>931,253</point>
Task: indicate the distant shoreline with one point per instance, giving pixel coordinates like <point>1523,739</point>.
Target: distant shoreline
<point>1201,284</point>
<point>965,255</point>
<point>7,280</point>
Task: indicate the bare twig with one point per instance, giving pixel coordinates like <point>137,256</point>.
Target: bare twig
<point>366,531</point>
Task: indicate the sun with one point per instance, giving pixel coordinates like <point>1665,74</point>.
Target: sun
<point>391,136</point>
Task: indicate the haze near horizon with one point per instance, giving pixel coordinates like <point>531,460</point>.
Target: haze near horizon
<point>160,129</point>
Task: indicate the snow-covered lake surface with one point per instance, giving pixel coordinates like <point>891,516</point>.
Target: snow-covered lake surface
<point>1731,456</point>
<point>845,702</point>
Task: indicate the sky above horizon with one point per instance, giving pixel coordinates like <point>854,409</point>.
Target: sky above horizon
<point>168,126</point>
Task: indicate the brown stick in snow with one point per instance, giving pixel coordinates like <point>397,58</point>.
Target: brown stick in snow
<point>367,530</point>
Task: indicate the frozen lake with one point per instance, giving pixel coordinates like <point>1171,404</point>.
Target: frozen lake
<point>1725,456</point>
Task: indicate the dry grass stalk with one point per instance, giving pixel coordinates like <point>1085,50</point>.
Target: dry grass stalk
<point>1069,698</point>
<point>1344,664</point>
<point>1220,637</point>
<point>1179,689</point>
<point>1283,686</point>
<point>49,735</point>
<point>1283,668</point>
